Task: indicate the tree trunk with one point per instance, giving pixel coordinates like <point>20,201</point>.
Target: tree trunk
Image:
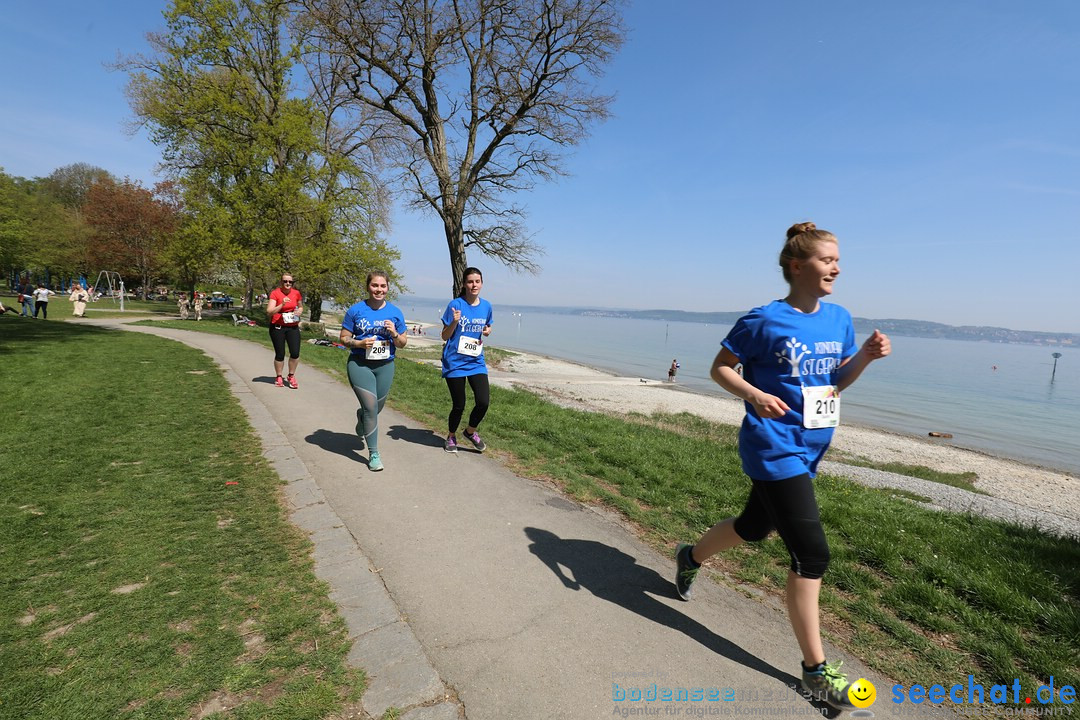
<point>314,303</point>
<point>249,290</point>
<point>455,242</point>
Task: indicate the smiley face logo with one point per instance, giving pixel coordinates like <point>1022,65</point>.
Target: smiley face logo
<point>862,693</point>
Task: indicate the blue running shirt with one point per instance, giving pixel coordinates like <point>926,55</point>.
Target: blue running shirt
<point>363,322</point>
<point>781,350</point>
<point>473,320</point>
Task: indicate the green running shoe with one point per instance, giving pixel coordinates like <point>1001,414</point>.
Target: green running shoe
<point>829,684</point>
<point>685,573</point>
<point>374,464</point>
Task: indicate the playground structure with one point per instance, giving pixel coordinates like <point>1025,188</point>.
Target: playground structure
<point>114,283</point>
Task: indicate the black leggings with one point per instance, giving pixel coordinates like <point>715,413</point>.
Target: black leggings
<point>789,507</point>
<point>279,335</point>
<point>481,398</point>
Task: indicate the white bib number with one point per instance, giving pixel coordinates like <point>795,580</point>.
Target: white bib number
<point>470,346</point>
<point>289,318</point>
<point>821,407</point>
<point>379,351</point>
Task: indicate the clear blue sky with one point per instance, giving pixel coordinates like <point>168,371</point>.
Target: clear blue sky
<point>940,141</point>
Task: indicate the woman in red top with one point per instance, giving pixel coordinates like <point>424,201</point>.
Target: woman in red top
<point>284,310</point>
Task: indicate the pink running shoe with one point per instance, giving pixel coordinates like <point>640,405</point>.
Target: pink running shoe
<point>292,382</point>
<point>279,382</point>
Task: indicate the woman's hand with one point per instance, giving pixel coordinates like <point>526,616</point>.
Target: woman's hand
<point>487,330</point>
<point>768,406</point>
<point>877,345</point>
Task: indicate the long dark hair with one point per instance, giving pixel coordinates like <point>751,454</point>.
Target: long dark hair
<point>469,271</point>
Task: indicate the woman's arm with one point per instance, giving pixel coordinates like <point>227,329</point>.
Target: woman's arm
<point>876,347</point>
<point>349,340</point>
<point>448,330</point>
<point>724,374</point>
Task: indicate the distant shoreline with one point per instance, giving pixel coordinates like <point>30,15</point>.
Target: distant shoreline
<point>906,328</point>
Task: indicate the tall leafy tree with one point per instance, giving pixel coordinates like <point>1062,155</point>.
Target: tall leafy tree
<point>130,228</point>
<point>70,184</point>
<point>475,100</point>
<point>243,133</point>
<point>40,233</point>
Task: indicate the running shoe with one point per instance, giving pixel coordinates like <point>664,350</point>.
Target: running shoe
<point>375,463</point>
<point>827,683</point>
<point>450,445</point>
<point>476,441</point>
<point>292,382</point>
<point>280,382</point>
<point>685,574</point>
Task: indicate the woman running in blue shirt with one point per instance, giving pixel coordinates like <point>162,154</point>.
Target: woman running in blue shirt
<point>373,329</point>
<point>797,354</point>
<point>466,322</point>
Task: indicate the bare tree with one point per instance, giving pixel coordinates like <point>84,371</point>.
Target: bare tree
<point>472,100</point>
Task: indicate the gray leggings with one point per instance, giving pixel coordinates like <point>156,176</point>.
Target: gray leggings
<point>371,381</point>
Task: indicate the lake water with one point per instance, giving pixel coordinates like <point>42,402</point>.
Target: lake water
<point>926,384</point>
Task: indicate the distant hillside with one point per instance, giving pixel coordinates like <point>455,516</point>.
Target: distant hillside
<point>924,328</point>
<point>908,328</point>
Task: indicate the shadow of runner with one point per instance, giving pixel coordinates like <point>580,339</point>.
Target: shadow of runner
<point>614,576</point>
<point>344,444</point>
<point>417,436</point>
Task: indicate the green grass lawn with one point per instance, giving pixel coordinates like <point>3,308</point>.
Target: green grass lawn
<point>146,562</point>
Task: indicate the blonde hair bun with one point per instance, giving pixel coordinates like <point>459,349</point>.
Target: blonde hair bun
<point>800,228</point>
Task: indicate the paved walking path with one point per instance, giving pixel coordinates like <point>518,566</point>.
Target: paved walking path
<point>471,592</point>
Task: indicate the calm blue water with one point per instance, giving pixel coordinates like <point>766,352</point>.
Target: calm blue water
<point>925,385</point>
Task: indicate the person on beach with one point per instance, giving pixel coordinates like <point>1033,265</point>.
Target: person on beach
<point>672,370</point>
<point>466,322</point>
<point>41,301</point>
<point>797,355</point>
<point>372,329</point>
<point>79,298</point>
<point>284,308</point>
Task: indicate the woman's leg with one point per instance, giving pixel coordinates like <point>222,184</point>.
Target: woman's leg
<point>481,400</point>
<point>794,510</point>
<point>456,385</point>
<point>384,379</point>
<point>371,383</point>
<point>752,525</point>
<point>277,338</point>
<point>292,337</point>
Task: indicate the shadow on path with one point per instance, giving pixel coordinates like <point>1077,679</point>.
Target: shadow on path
<point>345,444</point>
<point>614,576</point>
<point>417,436</point>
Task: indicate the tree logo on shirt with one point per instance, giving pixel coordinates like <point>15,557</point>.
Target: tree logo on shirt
<point>795,351</point>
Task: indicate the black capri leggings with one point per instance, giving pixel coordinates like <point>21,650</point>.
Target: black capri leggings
<point>789,507</point>
<point>281,334</point>
<point>481,398</point>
